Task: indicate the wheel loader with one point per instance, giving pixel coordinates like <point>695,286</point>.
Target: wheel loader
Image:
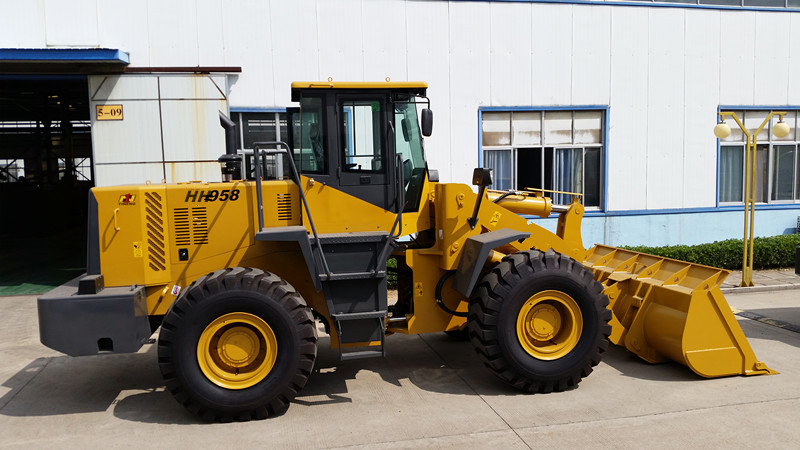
<point>237,274</point>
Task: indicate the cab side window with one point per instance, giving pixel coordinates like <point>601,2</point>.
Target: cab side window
<point>311,156</point>
<point>361,142</point>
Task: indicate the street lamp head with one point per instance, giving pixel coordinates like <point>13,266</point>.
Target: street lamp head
<point>781,129</point>
<point>722,130</point>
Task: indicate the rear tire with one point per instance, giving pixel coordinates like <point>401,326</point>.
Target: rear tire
<point>539,321</point>
<point>238,344</point>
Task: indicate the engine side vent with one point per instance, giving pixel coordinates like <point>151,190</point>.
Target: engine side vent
<point>181,228</point>
<point>154,224</point>
<point>200,225</point>
<point>284,206</point>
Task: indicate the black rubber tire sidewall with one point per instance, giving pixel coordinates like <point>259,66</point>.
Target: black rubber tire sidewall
<point>198,307</point>
<point>495,306</point>
<point>522,361</point>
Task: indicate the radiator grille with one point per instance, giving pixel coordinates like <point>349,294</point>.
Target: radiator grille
<point>190,225</point>
<point>200,225</point>
<point>154,224</point>
<point>284,206</point>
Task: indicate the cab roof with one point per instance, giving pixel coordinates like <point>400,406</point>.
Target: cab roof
<point>412,87</point>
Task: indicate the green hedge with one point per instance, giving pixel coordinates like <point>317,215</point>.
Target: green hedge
<point>769,252</point>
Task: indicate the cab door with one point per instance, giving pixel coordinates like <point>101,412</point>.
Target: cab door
<point>365,157</point>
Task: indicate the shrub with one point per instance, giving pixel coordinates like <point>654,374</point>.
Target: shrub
<point>768,252</point>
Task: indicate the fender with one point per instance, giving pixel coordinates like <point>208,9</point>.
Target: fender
<point>476,250</point>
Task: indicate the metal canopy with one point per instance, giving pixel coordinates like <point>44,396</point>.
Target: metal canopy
<point>62,60</point>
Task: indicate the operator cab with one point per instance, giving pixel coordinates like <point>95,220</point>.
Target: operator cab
<point>361,138</point>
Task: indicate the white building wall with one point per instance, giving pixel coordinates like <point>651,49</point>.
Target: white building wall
<point>663,72</point>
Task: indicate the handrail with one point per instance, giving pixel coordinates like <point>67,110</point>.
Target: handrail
<point>296,175</point>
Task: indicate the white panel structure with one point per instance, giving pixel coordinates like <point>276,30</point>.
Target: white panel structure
<point>428,56</point>
<point>208,87</point>
<point>210,36</point>
<point>120,26</point>
<point>384,25</point>
<point>737,59</point>
<point>660,71</point>
<point>511,58</point>
<point>26,27</point>
<point>71,24</point>
<point>248,44</point>
<point>341,40</point>
<point>794,59</point>
<point>627,149</point>
<point>169,121</point>
<point>552,54</point>
<point>121,174</point>
<point>591,46</point>
<point>701,76</point>
<point>136,138</point>
<point>295,54</point>
<point>173,33</point>
<point>665,116</point>
<point>771,78</point>
<point>469,83</point>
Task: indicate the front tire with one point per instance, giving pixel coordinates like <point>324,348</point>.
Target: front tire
<point>238,344</point>
<point>539,321</point>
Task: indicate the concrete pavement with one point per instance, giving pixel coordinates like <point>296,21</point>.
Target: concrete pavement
<point>430,391</point>
<point>763,280</point>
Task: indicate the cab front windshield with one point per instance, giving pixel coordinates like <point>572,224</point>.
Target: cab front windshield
<point>408,145</point>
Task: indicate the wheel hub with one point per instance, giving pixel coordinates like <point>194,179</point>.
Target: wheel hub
<point>543,322</point>
<point>238,346</point>
<point>549,325</point>
<point>237,350</point>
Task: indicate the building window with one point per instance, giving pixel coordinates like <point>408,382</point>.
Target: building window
<point>259,127</point>
<point>557,150</point>
<point>12,170</point>
<point>777,162</point>
<point>252,127</point>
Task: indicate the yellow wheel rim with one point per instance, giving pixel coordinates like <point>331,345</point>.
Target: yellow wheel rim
<point>549,325</point>
<point>237,350</point>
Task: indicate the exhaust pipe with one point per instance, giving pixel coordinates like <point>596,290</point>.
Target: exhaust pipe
<point>230,162</point>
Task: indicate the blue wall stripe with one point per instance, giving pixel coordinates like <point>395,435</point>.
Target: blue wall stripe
<point>654,4</point>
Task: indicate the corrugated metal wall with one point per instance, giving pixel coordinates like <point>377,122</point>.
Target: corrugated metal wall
<point>662,71</point>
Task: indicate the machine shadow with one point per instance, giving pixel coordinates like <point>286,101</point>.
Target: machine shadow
<point>65,385</point>
<point>131,388</point>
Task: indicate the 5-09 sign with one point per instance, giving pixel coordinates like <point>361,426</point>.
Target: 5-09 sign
<point>109,112</point>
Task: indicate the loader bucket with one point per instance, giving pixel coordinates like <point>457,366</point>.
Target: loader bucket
<point>665,309</point>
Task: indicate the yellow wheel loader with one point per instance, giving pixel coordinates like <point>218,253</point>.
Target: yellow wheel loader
<point>237,273</point>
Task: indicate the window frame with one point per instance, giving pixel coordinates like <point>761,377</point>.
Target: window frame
<point>765,138</point>
<point>514,149</point>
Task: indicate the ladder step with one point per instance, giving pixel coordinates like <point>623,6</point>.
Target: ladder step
<point>352,275</point>
<point>340,317</point>
<point>353,238</point>
<point>362,354</point>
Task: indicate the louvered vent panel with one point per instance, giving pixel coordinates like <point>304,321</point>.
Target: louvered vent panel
<point>284,206</point>
<point>182,230</point>
<point>154,224</point>
<point>200,225</point>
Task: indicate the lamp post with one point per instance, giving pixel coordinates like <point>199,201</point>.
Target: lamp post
<point>723,130</point>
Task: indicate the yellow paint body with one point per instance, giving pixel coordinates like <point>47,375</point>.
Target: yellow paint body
<point>663,309</point>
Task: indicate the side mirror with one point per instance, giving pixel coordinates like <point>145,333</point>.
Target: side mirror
<point>427,122</point>
<point>482,177</point>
